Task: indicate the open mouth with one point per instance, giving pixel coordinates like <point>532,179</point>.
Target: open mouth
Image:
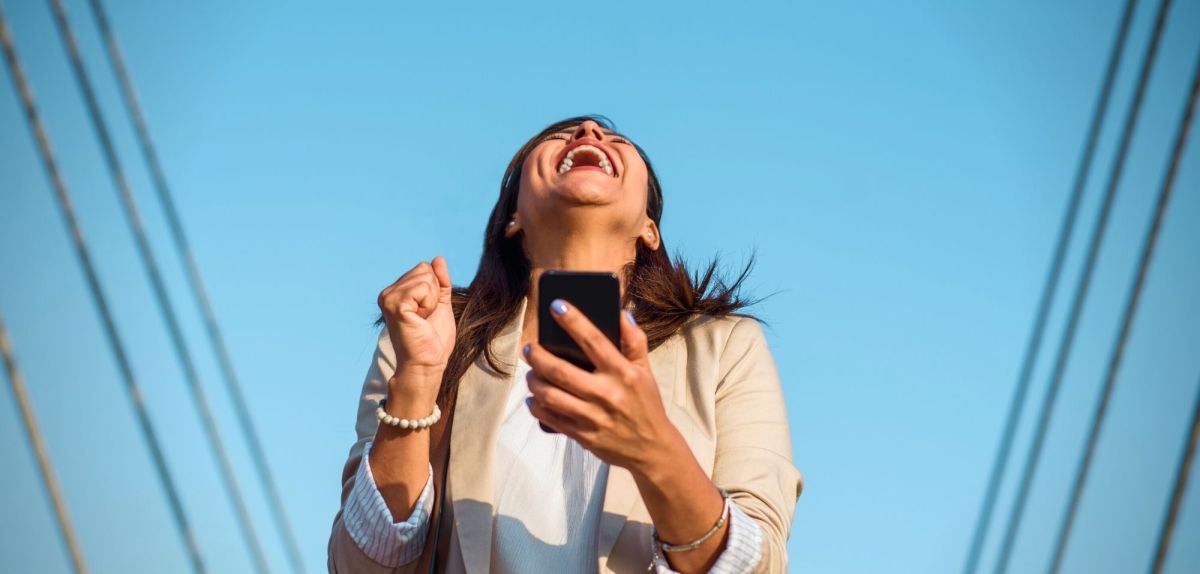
<point>585,156</point>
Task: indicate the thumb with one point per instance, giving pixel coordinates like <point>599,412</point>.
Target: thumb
<point>442,272</point>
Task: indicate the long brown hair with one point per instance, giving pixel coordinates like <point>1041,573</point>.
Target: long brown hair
<point>664,293</point>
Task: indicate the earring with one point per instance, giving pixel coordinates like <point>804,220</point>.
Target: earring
<point>512,222</point>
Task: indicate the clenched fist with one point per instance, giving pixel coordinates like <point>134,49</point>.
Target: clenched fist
<point>420,322</point>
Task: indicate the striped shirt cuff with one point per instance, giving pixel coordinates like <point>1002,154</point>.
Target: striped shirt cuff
<point>369,521</point>
<point>743,548</point>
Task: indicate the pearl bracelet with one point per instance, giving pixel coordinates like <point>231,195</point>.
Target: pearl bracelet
<point>697,542</point>
<point>387,419</point>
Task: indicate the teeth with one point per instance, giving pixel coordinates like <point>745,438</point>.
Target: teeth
<point>568,162</point>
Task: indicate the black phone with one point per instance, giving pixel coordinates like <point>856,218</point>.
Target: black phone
<point>596,294</point>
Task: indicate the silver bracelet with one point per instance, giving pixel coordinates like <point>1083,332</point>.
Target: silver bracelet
<point>697,542</point>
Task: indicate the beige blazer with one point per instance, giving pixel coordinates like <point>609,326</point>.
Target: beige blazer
<point>721,389</point>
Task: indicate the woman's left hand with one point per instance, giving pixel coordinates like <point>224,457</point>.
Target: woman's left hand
<point>616,411</point>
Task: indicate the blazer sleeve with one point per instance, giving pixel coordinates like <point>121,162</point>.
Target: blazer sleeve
<point>344,555</point>
<point>754,448</point>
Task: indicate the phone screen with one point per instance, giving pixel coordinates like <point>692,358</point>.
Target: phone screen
<point>596,294</point>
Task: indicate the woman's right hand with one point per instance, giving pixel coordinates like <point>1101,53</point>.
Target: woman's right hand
<point>420,322</point>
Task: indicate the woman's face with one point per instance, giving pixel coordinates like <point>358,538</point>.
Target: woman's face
<point>585,165</point>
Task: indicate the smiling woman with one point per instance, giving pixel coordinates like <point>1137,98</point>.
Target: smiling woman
<point>674,453</point>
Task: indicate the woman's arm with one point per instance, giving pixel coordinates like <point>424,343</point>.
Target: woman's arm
<point>371,533</point>
<point>399,458</point>
<point>683,504</point>
<point>419,320</point>
<point>419,333</point>
<point>753,460</point>
<point>617,413</point>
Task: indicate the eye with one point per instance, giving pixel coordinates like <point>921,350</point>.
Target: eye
<point>563,136</point>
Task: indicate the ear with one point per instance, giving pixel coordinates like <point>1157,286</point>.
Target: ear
<point>650,235</point>
<point>512,228</point>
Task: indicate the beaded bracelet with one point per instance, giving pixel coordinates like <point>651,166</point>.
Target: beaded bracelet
<point>697,542</point>
<point>387,419</point>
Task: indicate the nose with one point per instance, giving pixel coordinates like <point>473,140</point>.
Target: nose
<point>588,128</point>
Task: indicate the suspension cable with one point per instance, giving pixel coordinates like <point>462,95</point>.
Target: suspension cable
<point>33,118</point>
<point>159,286</point>
<point>184,252</point>
<point>1177,491</point>
<point>1049,290</point>
<point>1081,291</point>
<point>39,449</point>
<point>1127,318</point>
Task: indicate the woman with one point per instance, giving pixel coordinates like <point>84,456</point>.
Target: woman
<point>674,454</point>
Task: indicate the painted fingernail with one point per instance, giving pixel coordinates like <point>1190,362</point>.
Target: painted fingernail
<point>529,402</point>
<point>558,306</point>
<point>525,351</point>
<point>629,317</point>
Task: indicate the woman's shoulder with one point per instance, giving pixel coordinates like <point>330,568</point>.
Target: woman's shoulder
<point>722,340</point>
<point>723,331</point>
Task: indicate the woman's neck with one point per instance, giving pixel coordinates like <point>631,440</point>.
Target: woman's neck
<point>574,253</point>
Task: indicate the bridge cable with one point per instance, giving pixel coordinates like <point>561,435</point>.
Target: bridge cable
<point>39,449</point>
<point>1049,290</point>
<point>1081,290</point>
<point>1127,318</point>
<point>184,251</point>
<point>1177,491</point>
<point>33,118</point>
<point>159,286</point>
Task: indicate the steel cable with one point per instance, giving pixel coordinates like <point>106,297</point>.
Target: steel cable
<point>1081,291</point>
<point>161,296</point>
<point>63,198</point>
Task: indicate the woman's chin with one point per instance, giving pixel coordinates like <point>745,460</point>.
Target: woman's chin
<point>585,191</point>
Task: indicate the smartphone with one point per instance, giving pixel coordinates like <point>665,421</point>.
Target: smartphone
<point>596,294</point>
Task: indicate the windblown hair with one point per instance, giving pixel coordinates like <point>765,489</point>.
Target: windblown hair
<point>664,294</point>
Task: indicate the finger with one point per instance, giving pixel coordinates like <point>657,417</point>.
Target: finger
<point>418,272</point>
<point>441,271</point>
<point>420,269</point>
<point>562,373</point>
<point>592,341</point>
<point>633,340</point>
<point>552,421</point>
<point>559,401</point>
<point>416,292</point>
<point>419,296</point>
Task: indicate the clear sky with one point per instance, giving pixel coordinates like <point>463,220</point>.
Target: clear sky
<point>900,168</point>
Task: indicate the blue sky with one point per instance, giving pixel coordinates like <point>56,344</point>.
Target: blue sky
<point>901,171</point>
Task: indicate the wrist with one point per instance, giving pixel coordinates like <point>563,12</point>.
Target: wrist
<point>410,397</point>
<point>421,375</point>
<point>666,459</point>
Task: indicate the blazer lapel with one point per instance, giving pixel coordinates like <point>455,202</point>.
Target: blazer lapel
<point>472,440</point>
<point>621,493</point>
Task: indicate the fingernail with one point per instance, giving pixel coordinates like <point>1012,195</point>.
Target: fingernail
<point>629,317</point>
<point>558,306</point>
<point>525,351</point>
<point>528,402</point>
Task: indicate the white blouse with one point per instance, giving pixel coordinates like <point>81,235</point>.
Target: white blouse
<point>549,498</point>
<point>549,494</point>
